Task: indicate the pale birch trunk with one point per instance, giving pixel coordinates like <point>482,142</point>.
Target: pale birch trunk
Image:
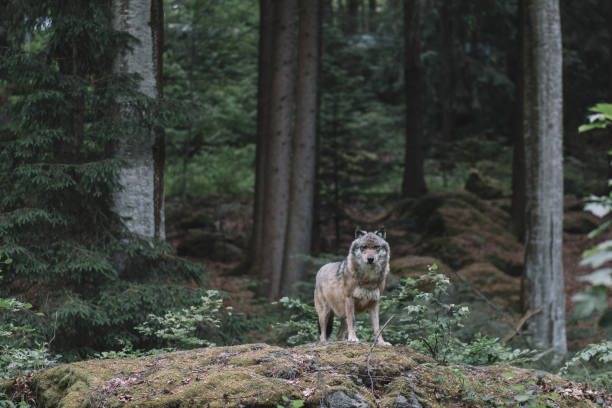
<point>303,165</point>
<point>543,133</point>
<point>138,202</point>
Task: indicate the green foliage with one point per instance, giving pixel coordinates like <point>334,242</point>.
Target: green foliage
<point>595,297</point>
<point>423,321</point>
<point>210,73</point>
<point>19,360</point>
<point>183,328</point>
<point>591,364</point>
<point>302,325</point>
<point>290,403</point>
<point>430,325</point>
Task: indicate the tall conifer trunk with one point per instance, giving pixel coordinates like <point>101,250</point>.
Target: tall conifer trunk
<point>543,130</point>
<point>278,149</point>
<point>413,184</point>
<point>264,80</point>
<point>303,165</point>
<point>518,155</point>
<point>137,202</point>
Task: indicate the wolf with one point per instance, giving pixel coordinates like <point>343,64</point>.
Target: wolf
<point>354,285</point>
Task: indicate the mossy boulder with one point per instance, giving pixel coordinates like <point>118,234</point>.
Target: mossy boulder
<point>461,229</point>
<point>497,286</point>
<point>482,186</point>
<point>321,375</point>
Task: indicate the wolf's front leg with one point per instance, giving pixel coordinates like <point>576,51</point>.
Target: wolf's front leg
<point>349,306</point>
<point>375,324</point>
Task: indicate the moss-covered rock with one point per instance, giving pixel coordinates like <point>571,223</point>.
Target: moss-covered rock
<point>332,375</point>
<point>461,229</point>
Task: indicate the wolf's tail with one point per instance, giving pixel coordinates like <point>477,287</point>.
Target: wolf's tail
<point>328,326</point>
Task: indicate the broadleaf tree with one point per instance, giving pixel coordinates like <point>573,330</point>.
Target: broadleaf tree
<point>543,133</point>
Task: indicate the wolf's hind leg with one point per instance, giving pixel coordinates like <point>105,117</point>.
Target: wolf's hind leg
<point>341,330</point>
<point>325,317</point>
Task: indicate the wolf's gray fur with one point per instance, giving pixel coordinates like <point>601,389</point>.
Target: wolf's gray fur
<point>354,285</point>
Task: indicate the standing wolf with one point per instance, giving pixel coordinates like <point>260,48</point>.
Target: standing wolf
<point>354,285</point>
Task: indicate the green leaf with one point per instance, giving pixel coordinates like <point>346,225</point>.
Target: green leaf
<point>522,397</point>
<point>589,300</point>
<point>507,374</point>
<point>599,229</point>
<point>297,404</point>
<point>599,277</point>
<point>591,126</point>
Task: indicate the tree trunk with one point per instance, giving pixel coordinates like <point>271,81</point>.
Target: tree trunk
<point>266,52</point>
<point>303,165</point>
<point>278,163</point>
<point>136,201</point>
<point>543,122</point>
<point>413,184</point>
<point>449,74</point>
<point>608,187</point>
<point>518,156</point>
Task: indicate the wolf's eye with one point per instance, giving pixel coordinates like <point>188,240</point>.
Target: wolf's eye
<point>377,248</point>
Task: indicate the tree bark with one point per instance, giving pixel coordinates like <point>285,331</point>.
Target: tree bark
<point>135,202</point>
<point>518,156</point>
<point>449,74</point>
<point>266,53</point>
<point>278,163</point>
<point>543,127</point>
<point>413,184</point>
<point>303,166</point>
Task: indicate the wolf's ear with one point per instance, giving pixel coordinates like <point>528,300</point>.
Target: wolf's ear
<point>381,233</point>
<point>359,232</point>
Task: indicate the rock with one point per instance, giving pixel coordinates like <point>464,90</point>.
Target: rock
<point>481,186</point>
<point>330,375</point>
<point>494,284</point>
<point>403,402</point>
<point>339,399</point>
<point>461,229</point>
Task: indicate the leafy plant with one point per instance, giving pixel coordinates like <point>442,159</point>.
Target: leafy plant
<point>429,325</point>
<point>592,364</point>
<point>19,360</point>
<point>302,326</point>
<point>183,328</point>
<point>595,297</point>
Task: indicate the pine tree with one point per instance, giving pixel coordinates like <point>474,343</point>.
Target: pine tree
<point>58,171</point>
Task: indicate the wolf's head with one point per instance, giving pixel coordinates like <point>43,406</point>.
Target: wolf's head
<point>370,247</point>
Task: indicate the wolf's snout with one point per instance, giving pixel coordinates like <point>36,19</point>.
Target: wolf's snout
<point>370,259</point>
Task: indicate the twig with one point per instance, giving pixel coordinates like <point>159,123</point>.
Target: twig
<point>370,354</point>
<point>542,354</point>
<point>523,320</point>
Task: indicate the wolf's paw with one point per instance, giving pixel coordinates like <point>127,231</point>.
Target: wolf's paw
<point>384,343</point>
<point>353,339</point>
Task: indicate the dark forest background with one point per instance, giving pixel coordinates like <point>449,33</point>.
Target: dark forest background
<point>273,128</point>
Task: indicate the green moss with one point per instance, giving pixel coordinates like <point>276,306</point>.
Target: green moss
<point>261,375</point>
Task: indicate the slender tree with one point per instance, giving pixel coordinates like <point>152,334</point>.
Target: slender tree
<point>543,132</point>
<point>413,184</point>
<point>138,202</point>
<point>278,149</point>
<point>449,69</point>
<point>266,53</point>
<point>518,156</point>
<point>303,165</point>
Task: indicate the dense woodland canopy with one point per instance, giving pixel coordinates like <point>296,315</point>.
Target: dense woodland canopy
<point>169,168</point>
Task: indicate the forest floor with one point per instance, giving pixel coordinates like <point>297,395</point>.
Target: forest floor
<point>468,237</point>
